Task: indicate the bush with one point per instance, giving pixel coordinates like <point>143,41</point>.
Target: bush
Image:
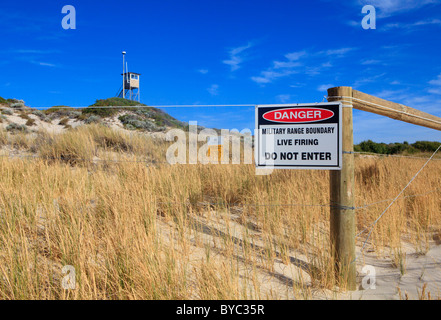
<point>426,146</point>
<point>396,148</point>
<point>39,114</point>
<point>111,102</point>
<point>131,121</point>
<point>74,114</point>
<point>24,116</point>
<point>58,109</point>
<point>62,111</point>
<point>93,119</point>
<point>15,127</point>
<point>17,104</point>
<point>7,112</point>
<point>63,121</point>
<point>3,101</point>
<point>30,122</point>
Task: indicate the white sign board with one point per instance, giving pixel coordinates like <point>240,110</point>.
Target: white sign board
<point>302,136</point>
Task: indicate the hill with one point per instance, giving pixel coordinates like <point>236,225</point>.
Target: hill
<point>113,112</point>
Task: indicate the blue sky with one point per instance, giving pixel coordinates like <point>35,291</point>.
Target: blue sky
<point>227,52</point>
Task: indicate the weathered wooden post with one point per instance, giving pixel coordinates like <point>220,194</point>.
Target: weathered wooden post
<point>342,195</point>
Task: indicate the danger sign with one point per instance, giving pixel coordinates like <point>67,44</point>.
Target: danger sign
<point>299,136</point>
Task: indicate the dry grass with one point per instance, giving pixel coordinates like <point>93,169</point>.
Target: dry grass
<point>152,231</point>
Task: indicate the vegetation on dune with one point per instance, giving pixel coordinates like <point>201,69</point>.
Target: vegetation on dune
<point>133,121</point>
<point>62,110</point>
<point>114,103</point>
<point>15,127</point>
<point>12,103</point>
<point>141,117</point>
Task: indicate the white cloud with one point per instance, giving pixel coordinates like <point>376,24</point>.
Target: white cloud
<point>436,82</point>
<point>426,22</point>
<point>44,64</point>
<point>436,22</point>
<point>370,62</point>
<point>261,80</point>
<point>325,87</point>
<point>33,51</point>
<point>236,57</point>
<point>294,64</point>
<point>213,90</point>
<point>283,98</point>
<point>338,52</point>
<point>281,69</point>
<point>353,23</point>
<point>436,86</point>
<point>426,103</point>
<point>271,75</point>
<point>435,91</point>
<point>387,8</point>
<point>294,56</point>
<point>286,64</point>
<point>365,80</point>
<point>203,71</point>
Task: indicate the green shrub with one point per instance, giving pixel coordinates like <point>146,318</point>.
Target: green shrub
<point>63,121</point>
<point>15,127</point>
<point>7,112</point>
<point>111,102</point>
<point>74,114</point>
<point>39,114</point>
<point>30,122</point>
<point>93,119</point>
<point>24,116</point>
<point>58,109</point>
<point>132,121</point>
<point>14,103</point>
<point>396,148</point>
<point>426,146</point>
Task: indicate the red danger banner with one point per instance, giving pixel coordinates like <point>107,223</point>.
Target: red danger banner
<point>298,115</point>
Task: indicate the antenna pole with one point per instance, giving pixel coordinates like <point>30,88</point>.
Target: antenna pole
<point>124,76</point>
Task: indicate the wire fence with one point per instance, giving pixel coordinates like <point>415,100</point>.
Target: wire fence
<point>156,162</point>
<point>368,229</point>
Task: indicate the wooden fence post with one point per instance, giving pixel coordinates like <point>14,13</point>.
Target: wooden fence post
<point>342,196</point>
